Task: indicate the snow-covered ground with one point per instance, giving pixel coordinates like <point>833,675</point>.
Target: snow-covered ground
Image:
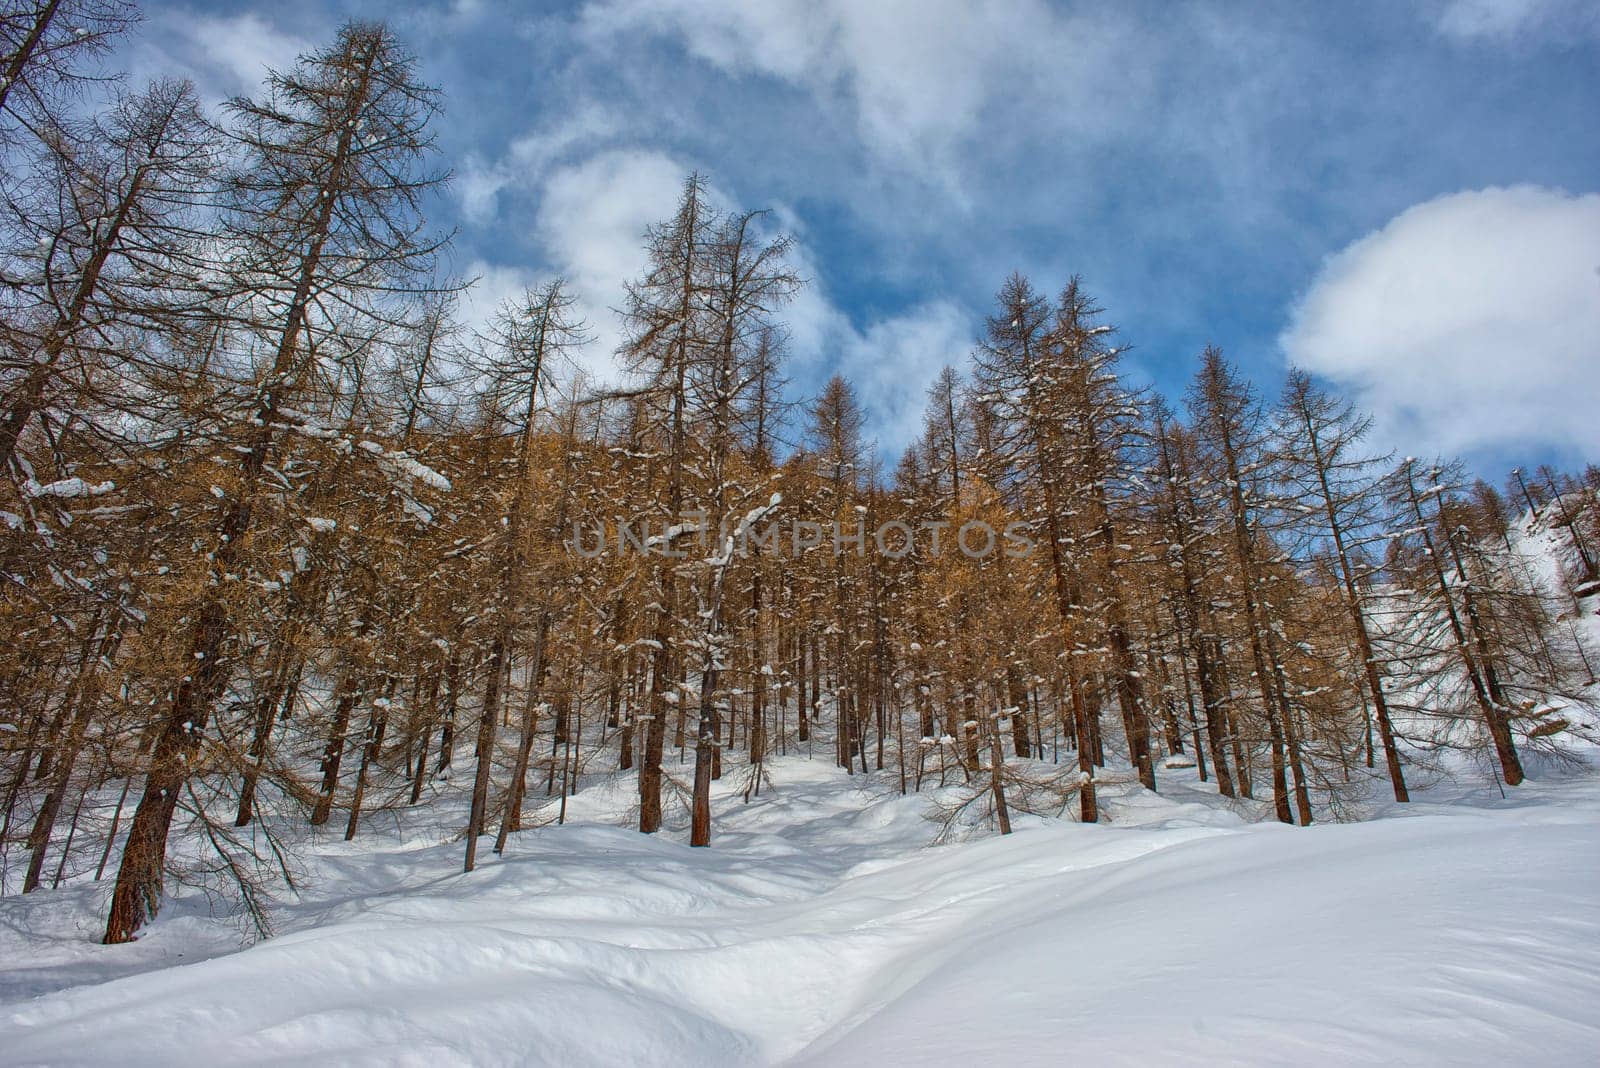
<point>823,929</point>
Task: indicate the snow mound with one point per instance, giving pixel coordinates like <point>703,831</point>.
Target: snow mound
<point>821,929</point>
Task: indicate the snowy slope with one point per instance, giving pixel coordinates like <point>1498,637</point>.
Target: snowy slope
<point>821,929</point>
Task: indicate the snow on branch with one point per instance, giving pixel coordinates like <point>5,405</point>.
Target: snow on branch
<point>68,487</point>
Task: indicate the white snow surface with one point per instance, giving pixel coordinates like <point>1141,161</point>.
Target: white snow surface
<point>67,487</point>
<point>821,928</point>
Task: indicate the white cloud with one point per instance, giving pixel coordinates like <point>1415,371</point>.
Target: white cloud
<point>1506,19</point>
<point>791,39</point>
<point>223,55</point>
<point>920,75</point>
<point>1470,322</point>
<point>891,362</point>
<point>477,187</point>
<point>590,226</point>
<point>894,361</point>
<point>493,285</point>
<point>591,222</point>
<point>529,158</point>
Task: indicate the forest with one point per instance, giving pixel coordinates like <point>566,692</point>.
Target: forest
<point>290,543</point>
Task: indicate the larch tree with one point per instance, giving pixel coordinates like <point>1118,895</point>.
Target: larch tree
<point>1231,423</point>
<point>747,282</point>
<point>1101,425</point>
<point>277,542</point>
<point>326,208</point>
<point>839,455</point>
<point>45,52</point>
<point>113,245</point>
<point>1187,556</point>
<point>665,314</point>
<point>1481,635</point>
<point>1320,440</point>
<point>1028,441</point>
<point>527,340</point>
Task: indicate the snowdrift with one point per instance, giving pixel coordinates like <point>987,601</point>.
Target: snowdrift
<point>822,929</point>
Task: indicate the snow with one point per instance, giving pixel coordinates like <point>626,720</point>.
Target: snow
<point>67,487</point>
<point>821,928</point>
<point>403,465</point>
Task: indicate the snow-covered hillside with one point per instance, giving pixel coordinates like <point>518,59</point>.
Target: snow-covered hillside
<point>823,929</point>
<point>400,583</point>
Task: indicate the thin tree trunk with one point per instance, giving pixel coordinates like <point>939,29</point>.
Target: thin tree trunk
<point>511,814</point>
<point>1358,619</point>
<point>87,701</point>
<point>1493,711</point>
<point>348,693</point>
<point>485,748</point>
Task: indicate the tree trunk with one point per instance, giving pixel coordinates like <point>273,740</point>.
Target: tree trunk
<point>487,721</point>
<point>511,815</point>
<point>349,692</point>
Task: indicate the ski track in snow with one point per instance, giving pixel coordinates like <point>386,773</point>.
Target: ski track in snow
<point>820,929</point>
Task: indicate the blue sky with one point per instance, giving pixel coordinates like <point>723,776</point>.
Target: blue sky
<point>1405,198</point>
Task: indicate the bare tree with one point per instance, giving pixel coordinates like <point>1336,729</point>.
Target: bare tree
<point>1228,415</point>
<point>328,192</point>
<point>527,338</point>
<point>1319,459</point>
